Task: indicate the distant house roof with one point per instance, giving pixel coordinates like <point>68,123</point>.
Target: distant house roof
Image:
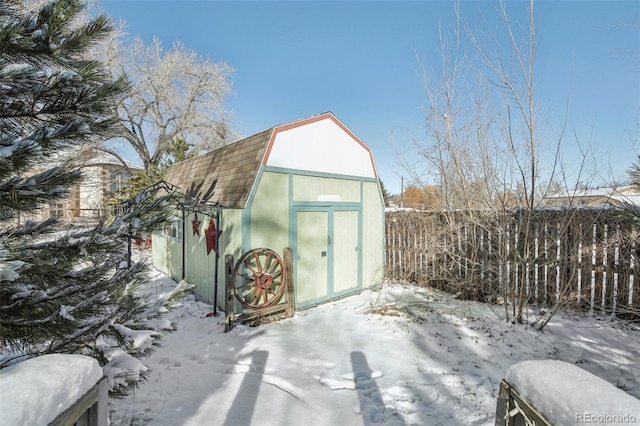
<point>90,157</point>
<point>103,158</point>
<point>622,194</point>
<point>629,199</point>
<point>227,174</point>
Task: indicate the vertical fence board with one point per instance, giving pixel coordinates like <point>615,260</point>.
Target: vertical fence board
<point>558,254</point>
<point>604,267</point>
<point>537,263</point>
<point>579,272</point>
<point>632,264</point>
<point>592,300</point>
<point>616,269</point>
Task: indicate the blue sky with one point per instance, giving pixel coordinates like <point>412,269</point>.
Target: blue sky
<point>360,60</point>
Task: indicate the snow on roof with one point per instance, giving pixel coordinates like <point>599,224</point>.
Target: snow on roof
<point>88,157</point>
<point>36,391</point>
<point>630,199</point>
<point>105,158</point>
<point>607,191</point>
<point>629,194</point>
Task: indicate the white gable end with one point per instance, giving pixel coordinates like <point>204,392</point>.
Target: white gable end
<point>321,146</point>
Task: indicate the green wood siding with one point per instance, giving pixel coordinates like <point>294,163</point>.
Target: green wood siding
<point>372,234</point>
<point>345,251</point>
<point>318,189</point>
<point>335,225</point>
<point>230,243</point>
<point>270,213</point>
<point>167,255</point>
<point>200,266</point>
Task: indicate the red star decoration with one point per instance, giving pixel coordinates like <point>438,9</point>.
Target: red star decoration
<point>195,225</point>
<point>211,236</point>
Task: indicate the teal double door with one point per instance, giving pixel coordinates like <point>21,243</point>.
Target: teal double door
<point>327,261</point>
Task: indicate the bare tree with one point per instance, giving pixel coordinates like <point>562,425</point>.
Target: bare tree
<point>177,96</point>
<point>490,151</point>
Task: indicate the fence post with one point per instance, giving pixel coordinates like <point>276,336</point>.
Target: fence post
<point>288,273</point>
<point>91,409</point>
<point>632,274</point>
<point>592,299</point>
<point>579,278</point>
<point>229,279</point>
<point>605,265</point>
<point>616,269</point>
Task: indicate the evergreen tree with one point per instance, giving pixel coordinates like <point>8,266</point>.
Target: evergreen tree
<point>385,194</point>
<point>63,291</point>
<point>178,150</point>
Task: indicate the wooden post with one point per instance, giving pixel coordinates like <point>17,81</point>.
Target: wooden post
<point>288,272</point>
<point>90,409</point>
<point>229,296</point>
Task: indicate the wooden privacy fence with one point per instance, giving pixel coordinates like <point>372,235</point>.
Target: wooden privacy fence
<point>583,257</point>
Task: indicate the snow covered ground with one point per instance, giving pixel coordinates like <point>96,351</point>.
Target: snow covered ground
<point>400,356</point>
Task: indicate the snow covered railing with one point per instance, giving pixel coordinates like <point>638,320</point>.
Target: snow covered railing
<point>550,392</point>
<point>56,390</point>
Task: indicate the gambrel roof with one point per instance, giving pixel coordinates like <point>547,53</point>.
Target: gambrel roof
<point>227,175</point>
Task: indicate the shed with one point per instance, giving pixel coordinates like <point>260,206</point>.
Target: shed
<point>310,185</point>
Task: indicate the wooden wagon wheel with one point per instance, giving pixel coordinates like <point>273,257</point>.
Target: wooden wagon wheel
<point>259,278</point>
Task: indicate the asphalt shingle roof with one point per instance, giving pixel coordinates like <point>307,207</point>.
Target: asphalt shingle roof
<point>225,175</point>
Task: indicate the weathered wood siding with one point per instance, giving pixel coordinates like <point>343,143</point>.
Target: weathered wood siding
<point>589,258</point>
